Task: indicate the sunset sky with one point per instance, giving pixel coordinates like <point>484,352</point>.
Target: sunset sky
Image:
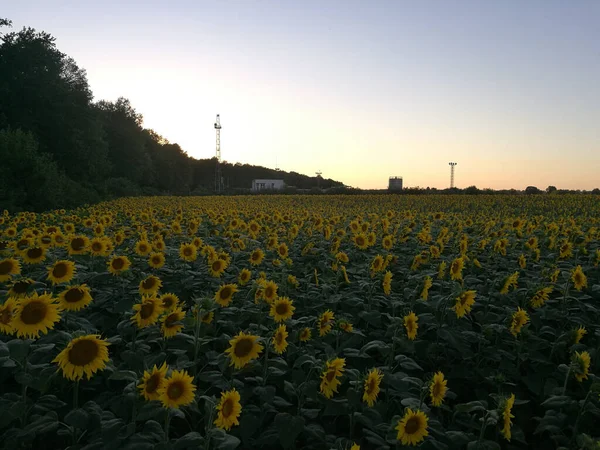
<point>361,90</point>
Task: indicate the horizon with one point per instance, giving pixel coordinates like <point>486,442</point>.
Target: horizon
<point>508,91</point>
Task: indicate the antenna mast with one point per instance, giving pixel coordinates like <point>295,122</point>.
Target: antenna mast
<point>452,164</point>
<point>218,177</point>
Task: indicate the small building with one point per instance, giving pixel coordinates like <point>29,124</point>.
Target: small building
<point>395,184</point>
<point>264,185</point>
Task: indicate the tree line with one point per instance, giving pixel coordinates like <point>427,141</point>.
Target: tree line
<point>59,148</point>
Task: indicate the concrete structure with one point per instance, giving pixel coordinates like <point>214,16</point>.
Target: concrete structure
<point>395,184</point>
<point>263,185</point>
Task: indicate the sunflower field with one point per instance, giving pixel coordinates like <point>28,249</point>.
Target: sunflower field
<point>302,322</point>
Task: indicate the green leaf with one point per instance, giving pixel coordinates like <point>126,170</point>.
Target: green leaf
<point>18,348</point>
<point>191,440</point>
<point>471,407</point>
<point>127,375</point>
<point>557,402</point>
<point>289,428</point>
<point>77,418</point>
<point>44,424</point>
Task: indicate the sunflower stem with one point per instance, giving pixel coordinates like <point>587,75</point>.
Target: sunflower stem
<point>196,340</point>
<point>265,371</point>
<point>76,395</point>
<point>167,424</point>
<point>574,435</point>
<point>482,431</point>
<point>566,381</point>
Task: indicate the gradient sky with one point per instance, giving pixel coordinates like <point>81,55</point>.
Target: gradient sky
<point>361,90</point>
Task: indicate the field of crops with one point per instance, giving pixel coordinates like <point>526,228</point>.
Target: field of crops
<point>317,322</point>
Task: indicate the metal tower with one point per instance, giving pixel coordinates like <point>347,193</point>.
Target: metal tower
<point>318,173</point>
<point>218,177</point>
<point>452,164</point>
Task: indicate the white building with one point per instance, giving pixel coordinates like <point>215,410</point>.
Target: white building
<point>263,185</point>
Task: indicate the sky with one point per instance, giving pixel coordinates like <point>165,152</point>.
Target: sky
<point>359,90</point>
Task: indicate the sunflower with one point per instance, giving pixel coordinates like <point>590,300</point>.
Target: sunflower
<point>346,326</point>
<point>554,276</point>
<point>578,334</point>
<point>342,257</point>
<point>150,285</point>
<point>464,302</point>
<point>580,364</point>
<point>412,428</point>
<point>410,323</point>
<point>152,381</point>
<point>78,245</point>
<point>270,291</point>
<point>177,390</point>
<point>387,283</point>
<point>442,270</point>
<point>225,294</point>
<point>244,276</point>
<point>519,319</point>
<point>143,248</point>
<point>280,339</point>
<point>171,323</point>
<point>565,250</point>
<point>74,298</point>
<point>427,283</point>
<point>61,272</point>
<point>147,312</point>
<point>34,315</point>
<point>345,274</point>
<point>293,281</point>
<point>84,355</point>
<point>207,317</point>
<point>372,383</point>
<point>119,264</point>
<point>197,242</point>
<point>507,415</point>
<point>243,348</point>
<point>511,281</point>
<point>7,310</point>
<point>456,269</point>
<point>216,267</point>
<point>8,268</point>
<point>188,252</point>
<point>256,257</point>
<point>228,410</point>
<point>169,301</point>
<point>19,288</point>
<point>324,323</point>
<point>376,264</point>
<point>330,377</point>
<point>305,335</point>
<point>387,242</point>
<point>282,250</point>
<point>540,297</point>
<point>437,389</point>
<point>156,260</point>
<point>579,279</point>
<point>34,255</point>
<point>361,241</point>
<point>99,247</point>
<point>282,309</point>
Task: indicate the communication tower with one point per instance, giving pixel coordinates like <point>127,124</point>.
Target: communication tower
<point>452,164</point>
<point>218,176</point>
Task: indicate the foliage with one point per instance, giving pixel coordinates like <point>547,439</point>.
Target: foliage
<point>377,325</point>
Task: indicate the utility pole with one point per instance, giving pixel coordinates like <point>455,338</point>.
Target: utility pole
<point>218,176</point>
<point>452,164</point>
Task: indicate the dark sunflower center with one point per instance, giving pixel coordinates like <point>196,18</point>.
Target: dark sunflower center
<point>60,270</point>
<point>156,260</point>
<point>255,256</point>
<point>279,338</point>
<point>243,348</point>
<point>168,302</point>
<point>149,283</point>
<point>281,309</point>
<point>245,276</point>
<point>97,246</point>
<point>6,267</point>
<point>146,310</point>
<point>35,252</point>
<point>187,251</point>
<point>20,287</point>
<point>437,389</point>
<point>269,292</point>
<point>577,278</point>
<point>330,375</point>
<point>83,352</point>
<point>118,264</point>
<point>175,390</point>
<point>226,292</point>
<point>74,295</point>
<point>153,383</point>
<point>227,408</point>
<point>360,240</point>
<point>370,386</point>
<point>171,320</point>
<point>143,248</point>
<point>34,312</point>
<point>46,240</point>
<point>77,244</point>
<point>216,265</point>
<point>463,300</point>
<point>412,425</point>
